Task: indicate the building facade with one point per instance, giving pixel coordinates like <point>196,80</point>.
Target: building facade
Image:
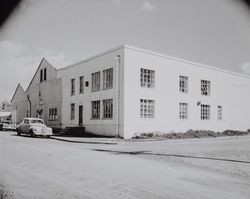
<point>128,90</point>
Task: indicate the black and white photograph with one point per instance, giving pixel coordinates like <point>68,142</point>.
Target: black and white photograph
<point>124,99</point>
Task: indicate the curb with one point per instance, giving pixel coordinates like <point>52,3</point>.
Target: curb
<point>85,142</point>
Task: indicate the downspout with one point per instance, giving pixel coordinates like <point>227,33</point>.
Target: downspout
<point>28,97</point>
<point>118,57</point>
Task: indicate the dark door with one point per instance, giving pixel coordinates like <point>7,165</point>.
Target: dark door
<point>80,115</point>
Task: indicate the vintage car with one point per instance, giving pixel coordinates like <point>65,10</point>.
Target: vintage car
<point>7,125</point>
<point>33,127</point>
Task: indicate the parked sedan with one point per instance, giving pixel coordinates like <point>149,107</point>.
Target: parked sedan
<point>33,127</point>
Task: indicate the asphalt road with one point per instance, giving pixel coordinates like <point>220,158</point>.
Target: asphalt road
<point>46,168</point>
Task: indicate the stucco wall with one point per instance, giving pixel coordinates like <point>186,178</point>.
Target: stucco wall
<point>227,90</point>
<point>102,126</point>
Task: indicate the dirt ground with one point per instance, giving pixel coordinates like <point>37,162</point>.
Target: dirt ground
<point>192,168</point>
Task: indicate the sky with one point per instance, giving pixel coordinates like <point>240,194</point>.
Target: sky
<point>214,32</point>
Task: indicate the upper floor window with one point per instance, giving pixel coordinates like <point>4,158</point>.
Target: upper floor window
<point>147,78</point>
<point>108,109</point>
<point>72,111</point>
<point>81,83</point>
<point>205,87</point>
<point>96,81</point>
<point>41,75</point>
<point>219,112</point>
<point>147,108</point>
<point>205,112</point>
<point>95,109</point>
<point>108,78</point>
<point>45,74</point>
<point>183,110</point>
<point>183,84</point>
<point>72,86</point>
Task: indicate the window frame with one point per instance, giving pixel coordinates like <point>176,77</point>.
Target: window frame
<point>96,82</point>
<point>205,87</point>
<point>95,109</point>
<point>107,105</point>
<point>107,79</point>
<point>147,78</point>
<point>183,84</point>
<point>205,112</point>
<point>81,84</point>
<point>219,112</point>
<point>72,87</point>
<point>183,110</point>
<point>72,111</point>
<point>147,108</point>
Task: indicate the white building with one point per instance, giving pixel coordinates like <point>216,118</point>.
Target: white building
<point>128,90</point>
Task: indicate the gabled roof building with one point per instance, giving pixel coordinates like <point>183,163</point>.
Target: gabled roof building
<point>128,90</point>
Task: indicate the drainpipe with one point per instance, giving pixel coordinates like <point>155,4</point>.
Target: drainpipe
<point>118,58</point>
<point>28,97</point>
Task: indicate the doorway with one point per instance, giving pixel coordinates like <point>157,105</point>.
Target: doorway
<point>80,115</point>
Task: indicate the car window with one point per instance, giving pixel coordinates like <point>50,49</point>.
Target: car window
<point>26,121</point>
<point>36,121</point>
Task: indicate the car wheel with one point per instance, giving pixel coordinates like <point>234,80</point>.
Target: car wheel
<point>18,132</point>
<point>31,133</point>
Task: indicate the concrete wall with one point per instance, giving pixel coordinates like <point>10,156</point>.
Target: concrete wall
<point>85,68</point>
<point>46,94</point>
<point>231,91</point>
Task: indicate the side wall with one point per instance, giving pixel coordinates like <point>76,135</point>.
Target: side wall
<point>108,127</point>
<point>227,90</point>
<point>46,95</point>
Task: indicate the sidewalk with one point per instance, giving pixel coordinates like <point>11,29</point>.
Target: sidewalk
<point>87,140</point>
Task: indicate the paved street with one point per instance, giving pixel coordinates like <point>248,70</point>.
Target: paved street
<point>195,168</point>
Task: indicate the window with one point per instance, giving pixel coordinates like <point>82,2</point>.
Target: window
<point>72,111</point>
<point>205,87</point>
<point>41,75</point>
<point>96,81</point>
<point>147,108</point>
<point>205,112</point>
<point>108,109</point>
<point>108,78</point>
<point>45,74</point>
<point>183,84</point>
<point>53,114</point>
<point>219,112</point>
<point>81,80</point>
<point>72,86</point>
<point>147,78</point>
<point>95,109</point>
<point>183,110</point>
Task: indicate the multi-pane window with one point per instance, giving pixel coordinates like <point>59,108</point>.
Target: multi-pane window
<point>96,81</point>
<point>147,78</point>
<point>183,110</point>
<point>53,114</point>
<point>205,112</point>
<point>81,84</point>
<point>72,86</point>
<point>219,112</point>
<point>72,111</point>
<point>205,87</point>
<point>108,78</point>
<point>147,108</point>
<point>45,74</point>
<point>108,109</point>
<point>183,84</point>
<point>95,109</point>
